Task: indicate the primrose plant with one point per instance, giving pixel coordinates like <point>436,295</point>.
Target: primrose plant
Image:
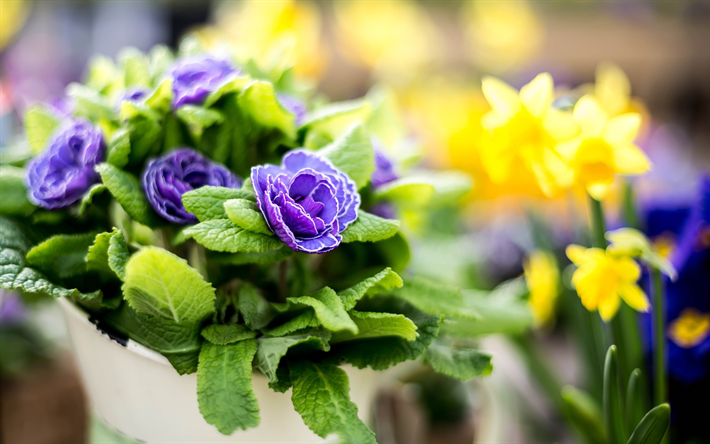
<point>176,199</point>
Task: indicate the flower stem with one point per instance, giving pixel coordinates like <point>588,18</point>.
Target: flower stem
<point>659,391</point>
<point>598,225</point>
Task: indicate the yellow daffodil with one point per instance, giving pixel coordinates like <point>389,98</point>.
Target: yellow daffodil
<point>633,243</point>
<point>523,132</point>
<point>604,147</point>
<point>690,328</point>
<point>603,279</point>
<point>501,35</point>
<point>542,277</point>
<point>612,89</point>
<point>12,16</point>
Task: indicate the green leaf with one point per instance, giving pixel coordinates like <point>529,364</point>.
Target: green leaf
<point>14,200</point>
<point>253,307</point>
<point>634,398</point>
<point>227,334</point>
<point>118,255</point>
<point>458,362</point>
<point>307,319</point>
<point>329,310</point>
<point>162,98</point>
<point>161,284</point>
<point>136,69</point>
<point>435,297</point>
<point>161,57</point>
<point>136,111</point>
<point>90,103</point>
<point>326,123</point>
<point>449,186</point>
<point>613,419</point>
<point>352,154</point>
<point>207,203</point>
<point>394,251</point>
<point>97,258</point>
<point>270,350</point>
<point>40,123</point>
<point>102,73</point>
<point>653,426</point>
<point>224,388</point>
<point>198,116</point>
<point>146,135</point>
<point>224,235</point>
<point>126,189</point>
<point>119,148</point>
<point>406,191</point>
<point>383,281</point>
<point>260,103</point>
<point>266,258</point>
<point>88,197</point>
<point>247,215</point>
<point>584,414</point>
<point>63,255</point>
<point>321,395</point>
<point>375,325</point>
<point>235,85</point>
<point>370,228</point>
<point>16,275</point>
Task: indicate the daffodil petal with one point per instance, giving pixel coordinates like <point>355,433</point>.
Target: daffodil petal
<point>598,190</point>
<point>612,88</point>
<point>627,269</point>
<point>568,149</point>
<point>560,124</point>
<point>622,129</point>
<point>634,296</point>
<point>536,96</point>
<point>576,253</point>
<point>590,116</point>
<point>562,173</point>
<point>501,96</point>
<point>629,159</point>
<point>608,307</point>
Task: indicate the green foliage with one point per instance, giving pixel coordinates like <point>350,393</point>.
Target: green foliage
<point>90,104</point>
<point>613,414</point>
<point>352,153</point>
<point>198,118</point>
<point>585,415</point>
<point>247,215</point>
<point>161,284</point>
<point>223,235</point>
<point>162,98</point>
<point>458,362</point>
<point>375,324</point>
<point>259,102</point>
<point>265,258</point>
<point>224,388</point>
<point>227,334</point>
<point>435,297</point>
<point>307,319</point>
<point>14,200</point>
<point>97,256</point>
<point>271,350</point>
<point>383,281</point>
<point>253,307</point>
<point>329,309</point>
<point>634,400</point>
<point>40,123</point>
<point>653,426</point>
<point>63,255</point>
<point>119,148</point>
<point>406,191</point>
<point>136,67</point>
<point>321,395</point>
<point>88,197</point>
<point>126,189</point>
<point>370,228</point>
<point>207,203</point>
<point>327,122</point>
<point>118,255</point>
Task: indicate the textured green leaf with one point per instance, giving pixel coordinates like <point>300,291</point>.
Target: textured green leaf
<point>653,426</point>
<point>63,255</point>
<point>270,350</point>
<point>119,148</point>
<point>40,123</point>
<point>126,189</point>
<point>585,415</point>
<point>435,297</point>
<point>374,325</point>
<point>97,257</point>
<point>613,419</point>
<point>14,200</point>
<point>224,388</point>
<point>324,124</point>
<point>223,235</point>
<point>136,69</point>
<point>253,307</point>
<point>135,111</point>
<point>247,215</point>
<point>307,319</point>
<point>146,135</point>
<point>227,334</point>
<point>118,255</point>
<point>90,104</point>
<point>352,154</point>
<point>88,197</point>
<point>198,116</point>
<point>321,395</point>
<point>161,284</point>
<point>385,280</point>
<point>370,228</point>
<point>329,309</point>
<point>266,258</point>
<point>259,101</point>
<point>207,203</point>
<point>458,363</point>
<point>235,85</point>
<point>406,191</point>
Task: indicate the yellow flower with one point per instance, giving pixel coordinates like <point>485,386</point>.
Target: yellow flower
<point>690,328</point>
<point>523,131</point>
<point>603,279</point>
<point>12,16</point>
<point>603,148</point>
<point>542,277</point>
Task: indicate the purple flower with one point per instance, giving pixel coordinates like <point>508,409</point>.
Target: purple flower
<point>61,174</point>
<point>133,94</point>
<point>167,178</point>
<point>195,77</point>
<point>384,170</point>
<point>12,310</point>
<point>306,201</point>
<point>295,105</point>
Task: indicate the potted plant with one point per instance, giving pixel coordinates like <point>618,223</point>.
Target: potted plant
<point>195,213</point>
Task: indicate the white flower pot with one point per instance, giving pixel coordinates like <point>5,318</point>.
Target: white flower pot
<point>137,392</point>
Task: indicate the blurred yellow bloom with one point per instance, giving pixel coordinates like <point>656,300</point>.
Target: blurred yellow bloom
<point>603,279</point>
<point>604,147</point>
<point>12,16</point>
<point>393,37</point>
<point>523,131</point>
<point>542,277</point>
<point>690,328</point>
<point>285,32</point>
<point>502,35</point>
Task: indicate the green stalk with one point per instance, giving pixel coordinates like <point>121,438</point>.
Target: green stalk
<point>659,391</point>
<point>598,241</point>
<point>548,380</point>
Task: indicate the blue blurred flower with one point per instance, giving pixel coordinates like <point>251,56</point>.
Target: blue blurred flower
<point>295,106</point>
<point>194,78</point>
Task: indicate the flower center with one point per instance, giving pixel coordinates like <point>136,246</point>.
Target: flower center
<point>593,162</point>
<point>690,328</point>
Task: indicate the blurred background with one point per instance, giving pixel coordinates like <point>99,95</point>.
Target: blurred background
<point>429,58</point>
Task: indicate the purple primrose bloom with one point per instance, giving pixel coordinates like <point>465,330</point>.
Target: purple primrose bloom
<point>195,77</point>
<point>167,178</point>
<point>306,201</point>
<point>295,105</point>
<point>384,170</point>
<point>60,175</point>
